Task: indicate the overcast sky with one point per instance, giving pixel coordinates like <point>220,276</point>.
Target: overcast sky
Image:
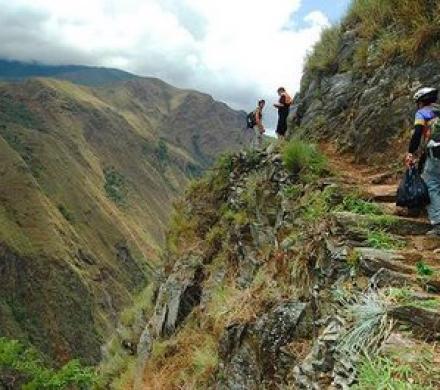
<point>236,50</point>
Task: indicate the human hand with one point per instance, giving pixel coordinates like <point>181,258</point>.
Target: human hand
<point>409,160</point>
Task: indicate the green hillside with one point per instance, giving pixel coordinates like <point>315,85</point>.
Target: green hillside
<point>88,177</point>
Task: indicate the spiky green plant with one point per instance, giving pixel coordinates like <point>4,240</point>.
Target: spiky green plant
<point>424,269</point>
<point>370,326</point>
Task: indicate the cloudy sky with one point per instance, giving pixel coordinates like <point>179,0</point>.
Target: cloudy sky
<point>236,50</point>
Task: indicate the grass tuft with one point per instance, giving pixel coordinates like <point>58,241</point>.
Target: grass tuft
<point>301,157</point>
<point>380,239</point>
<point>354,204</point>
<point>423,269</point>
<point>324,55</point>
<point>397,28</point>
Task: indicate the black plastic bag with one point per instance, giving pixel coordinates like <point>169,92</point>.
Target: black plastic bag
<point>413,192</point>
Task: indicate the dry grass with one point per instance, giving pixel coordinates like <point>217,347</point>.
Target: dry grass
<point>188,361</point>
<point>324,55</point>
<point>399,28</point>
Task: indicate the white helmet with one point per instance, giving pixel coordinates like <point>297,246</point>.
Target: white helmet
<point>425,93</point>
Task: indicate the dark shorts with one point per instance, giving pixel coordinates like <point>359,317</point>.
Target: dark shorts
<point>282,122</point>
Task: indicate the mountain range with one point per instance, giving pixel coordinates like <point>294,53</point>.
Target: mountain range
<point>91,160</point>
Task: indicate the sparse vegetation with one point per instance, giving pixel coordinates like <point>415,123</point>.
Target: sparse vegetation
<point>16,141</point>
<point>14,111</point>
<point>24,368</point>
<point>118,363</point>
<point>293,192</point>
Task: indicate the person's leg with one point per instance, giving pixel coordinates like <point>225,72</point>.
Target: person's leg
<point>256,138</point>
<point>431,176</point>
<point>279,130</point>
<point>283,124</point>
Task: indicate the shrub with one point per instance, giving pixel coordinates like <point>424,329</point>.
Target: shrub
<point>161,152</point>
<point>423,269</point>
<point>299,156</point>
<point>23,368</point>
<point>115,185</point>
<point>68,216</point>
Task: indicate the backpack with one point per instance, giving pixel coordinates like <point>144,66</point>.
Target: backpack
<point>431,129</point>
<point>251,119</point>
<point>435,125</point>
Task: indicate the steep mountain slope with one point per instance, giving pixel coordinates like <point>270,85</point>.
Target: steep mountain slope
<point>88,177</point>
<point>359,80</point>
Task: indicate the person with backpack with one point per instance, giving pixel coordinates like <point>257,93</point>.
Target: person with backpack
<point>425,146</point>
<point>283,107</point>
<point>254,122</point>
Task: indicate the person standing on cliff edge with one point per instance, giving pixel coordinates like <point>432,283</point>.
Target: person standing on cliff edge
<point>426,127</point>
<point>283,107</point>
<point>254,124</point>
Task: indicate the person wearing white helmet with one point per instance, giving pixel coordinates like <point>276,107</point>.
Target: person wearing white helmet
<point>425,147</point>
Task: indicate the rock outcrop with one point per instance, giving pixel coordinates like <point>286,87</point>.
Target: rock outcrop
<point>368,111</point>
<point>277,283</point>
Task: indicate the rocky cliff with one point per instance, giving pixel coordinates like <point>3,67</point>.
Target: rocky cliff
<point>87,181</point>
<point>359,79</point>
<point>279,274</point>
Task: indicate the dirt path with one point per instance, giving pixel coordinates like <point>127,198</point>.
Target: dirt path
<point>380,187</point>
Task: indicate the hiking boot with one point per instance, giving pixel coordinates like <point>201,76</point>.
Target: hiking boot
<point>435,231</point>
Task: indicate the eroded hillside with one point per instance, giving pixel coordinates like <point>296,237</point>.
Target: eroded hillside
<point>88,177</point>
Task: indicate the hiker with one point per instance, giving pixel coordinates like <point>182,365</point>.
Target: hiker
<point>283,107</point>
<point>255,125</point>
<point>429,154</point>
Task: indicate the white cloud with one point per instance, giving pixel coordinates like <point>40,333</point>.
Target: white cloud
<point>237,50</point>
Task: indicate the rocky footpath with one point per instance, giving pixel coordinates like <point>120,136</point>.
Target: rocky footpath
<point>285,278</point>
